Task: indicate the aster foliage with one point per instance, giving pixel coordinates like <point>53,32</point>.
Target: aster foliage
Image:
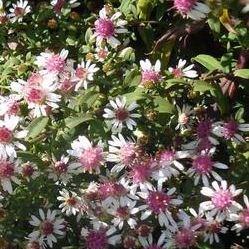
<point>124,124</point>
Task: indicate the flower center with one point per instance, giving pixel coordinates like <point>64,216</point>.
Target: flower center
<point>47,227</point>
<point>5,135</point>
<point>104,27</point>
<point>6,169</point>
<point>35,79</point>
<point>72,201</point>
<point>204,128</point>
<point>28,170</point>
<point>102,54</point>
<point>214,227</point>
<point>13,108</point>
<point>55,64</point>
<point>91,158</point>
<point>140,172</point>
<point>230,129</point>
<point>153,247</point>
<point>150,75</point>
<point>122,212</point>
<point>121,114</point>
<point>184,6</point>
<point>185,238</point>
<point>202,164</point>
<point>81,72</point>
<point>158,201</point>
<point>222,199</point>
<point>167,157</point>
<point>244,217</point>
<point>60,167</point>
<point>127,153</point>
<point>19,11</point>
<point>177,72</point>
<point>97,240</point>
<point>35,95</point>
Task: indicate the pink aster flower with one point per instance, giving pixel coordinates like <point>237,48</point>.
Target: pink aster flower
<point>107,28</point>
<point>84,74</point>
<point>193,9</point>
<point>9,136</point>
<point>39,93</point>
<point>100,237</point>
<point>89,157</point>
<point>19,10</point>
<point>150,74</point>
<point>101,53</point>
<point>62,170</point>
<point>8,172</point>
<point>168,164</point>
<point>182,71</point>
<point>159,203</point>
<point>121,152</point>
<point>203,167</point>
<point>222,199</point>
<point>184,117</point>
<point>49,226</point>
<point>51,63</point>
<point>241,218</point>
<point>184,235</point>
<point>121,114</point>
<point>230,130</point>
<point>9,105</point>
<point>29,171</point>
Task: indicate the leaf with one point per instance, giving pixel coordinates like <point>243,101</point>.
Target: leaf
<point>132,78</point>
<point>72,122</point>
<point>203,86</point>
<point>36,127</point>
<point>163,105</point>
<point>208,62</point>
<point>242,73</point>
<point>214,24</point>
<point>28,156</point>
<point>173,82</point>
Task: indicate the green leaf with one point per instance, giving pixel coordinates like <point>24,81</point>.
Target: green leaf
<point>72,122</point>
<point>163,105</point>
<point>242,73</point>
<point>203,86</point>
<point>214,24</point>
<point>208,62</point>
<point>37,126</point>
<point>132,78</point>
<point>173,82</point>
<point>136,95</point>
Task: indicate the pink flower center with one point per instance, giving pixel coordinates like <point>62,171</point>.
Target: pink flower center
<point>177,72</point>
<point>202,164</point>
<point>129,243</point>
<point>158,201</point>
<point>47,227</point>
<point>184,6</point>
<point>214,227</point>
<point>35,95</point>
<point>111,189</point>
<point>183,119</point>
<point>6,169</point>
<point>5,135</point>
<point>72,201</point>
<point>122,114</point>
<point>123,212</point>
<point>102,54</point>
<point>204,128</point>
<point>230,129</point>
<point>104,27</point>
<point>185,238</point>
<point>244,217</point>
<point>13,107</point>
<point>81,73</point>
<point>55,64</point>
<point>35,79</point>
<point>60,167</point>
<point>19,11</point>
<point>28,170</point>
<point>222,199</point>
<point>128,153</point>
<point>150,75</point>
<point>91,158</point>
<point>97,240</point>
<point>66,85</point>
<point>140,172</point>
<point>167,157</point>
<point>204,144</point>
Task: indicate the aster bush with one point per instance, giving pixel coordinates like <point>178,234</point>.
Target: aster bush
<point>124,124</point>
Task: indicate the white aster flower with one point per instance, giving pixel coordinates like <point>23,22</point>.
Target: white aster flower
<point>9,136</point>
<point>70,202</point>
<point>49,226</point>
<point>182,71</point>
<point>222,199</point>
<point>19,10</point>
<point>119,113</point>
<point>107,28</point>
<point>184,117</point>
<point>147,242</point>
<point>9,105</point>
<point>84,73</point>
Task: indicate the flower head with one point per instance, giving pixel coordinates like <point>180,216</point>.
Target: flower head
<point>19,10</point>
<point>182,71</point>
